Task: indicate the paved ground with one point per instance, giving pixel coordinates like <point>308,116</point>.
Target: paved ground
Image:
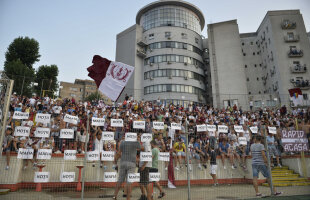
<point>197,193</point>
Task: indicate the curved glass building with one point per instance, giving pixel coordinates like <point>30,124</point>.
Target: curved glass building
<point>167,51</point>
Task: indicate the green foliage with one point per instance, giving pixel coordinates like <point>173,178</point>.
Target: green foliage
<point>24,49</point>
<point>46,77</point>
<point>22,76</point>
<point>94,96</point>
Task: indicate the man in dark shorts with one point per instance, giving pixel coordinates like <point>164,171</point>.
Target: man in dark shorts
<point>259,164</point>
<point>144,168</point>
<point>127,152</point>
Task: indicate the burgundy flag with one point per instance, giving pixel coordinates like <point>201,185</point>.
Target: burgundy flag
<point>110,77</point>
<point>296,96</point>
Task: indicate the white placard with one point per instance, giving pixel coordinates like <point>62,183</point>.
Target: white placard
<point>146,137</point>
<point>176,126</point>
<point>110,177</point>
<point>211,128</point>
<point>158,125</point>
<point>41,177</point>
<point>42,132</point>
<point>67,177</point>
<point>254,129</point>
<point>238,128</point>
<point>20,115</point>
<point>146,156</point>
<point>130,137</point>
<point>201,128</point>
<point>164,156</point>
<point>70,155</point>
<point>97,121</point>
<point>222,129</point>
<point>154,177</point>
<point>133,177</point>
<point>242,140</point>
<point>93,155</point>
<point>116,122</point>
<point>139,124</point>
<point>44,154</point>
<point>107,136</point>
<point>107,155</point>
<point>71,119</point>
<point>25,153</point>
<point>43,118</point>
<point>67,133</point>
<point>272,130</point>
<point>23,131</point>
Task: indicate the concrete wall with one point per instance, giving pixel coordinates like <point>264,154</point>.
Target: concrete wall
<point>226,63</point>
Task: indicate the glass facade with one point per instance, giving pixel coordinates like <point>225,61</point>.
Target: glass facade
<point>173,88</point>
<point>173,73</point>
<point>176,45</point>
<point>173,58</point>
<point>170,16</point>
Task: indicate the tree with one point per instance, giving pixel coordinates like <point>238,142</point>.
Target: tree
<point>94,96</point>
<point>22,76</point>
<point>24,49</point>
<point>46,77</point>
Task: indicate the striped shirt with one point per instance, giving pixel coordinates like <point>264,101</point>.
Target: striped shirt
<point>257,157</point>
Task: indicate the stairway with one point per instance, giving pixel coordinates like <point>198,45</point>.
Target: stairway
<point>286,177</point>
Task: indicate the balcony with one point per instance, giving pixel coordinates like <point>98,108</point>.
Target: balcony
<point>141,53</point>
<point>288,24</point>
<point>294,38</point>
<point>295,53</point>
<point>299,68</point>
<point>302,84</point>
<point>142,43</point>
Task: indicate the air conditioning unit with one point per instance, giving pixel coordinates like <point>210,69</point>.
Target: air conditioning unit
<point>185,63</point>
<point>151,78</point>
<point>169,38</point>
<point>151,64</point>
<point>168,62</point>
<point>170,76</point>
<point>185,77</point>
<point>292,80</point>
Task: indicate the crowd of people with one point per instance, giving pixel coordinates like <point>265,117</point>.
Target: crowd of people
<point>200,143</point>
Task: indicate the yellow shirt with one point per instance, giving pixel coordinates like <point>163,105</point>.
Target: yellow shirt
<point>179,147</point>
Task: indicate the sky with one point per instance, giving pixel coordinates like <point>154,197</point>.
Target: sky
<point>70,32</point>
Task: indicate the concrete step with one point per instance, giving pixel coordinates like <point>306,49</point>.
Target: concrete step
<point>4,191</point>
<point>284,184</point>
<point>285,175</point>
<point>280,168</point>
<point>289,179</point>
<point>282,171</point>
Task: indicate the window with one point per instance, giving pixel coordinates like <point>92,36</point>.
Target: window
<point>251,43</point>
<point>259,92</point>
<point>244,54</point>
<point>255,65</point>
<point>253,53</point>
<point>184,35</point>
<point>245,66</point>
<point>247,79</point>
<point>151,36</point>
<point>196,40</point>
<point>167,34</point>
<point>257,78</point>
<point>305,96</point>
<point>242,43</point>
<point>258,53</point>
<point>249,92</point>
<point>290,35</point>
<point>296,62</point>
<point>269,40</point>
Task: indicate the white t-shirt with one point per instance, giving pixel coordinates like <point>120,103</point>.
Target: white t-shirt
<point>99,145</point>
<point>57,109</point>
<point>32,101</point>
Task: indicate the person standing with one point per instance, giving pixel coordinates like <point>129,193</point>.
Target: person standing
<point>213,165</point>
<point>154,169</point>
<point>259,164</point>
<point>127,152</point>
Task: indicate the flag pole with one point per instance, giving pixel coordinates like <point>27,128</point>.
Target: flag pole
<point>302,155</point>
<point>84,161</point>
